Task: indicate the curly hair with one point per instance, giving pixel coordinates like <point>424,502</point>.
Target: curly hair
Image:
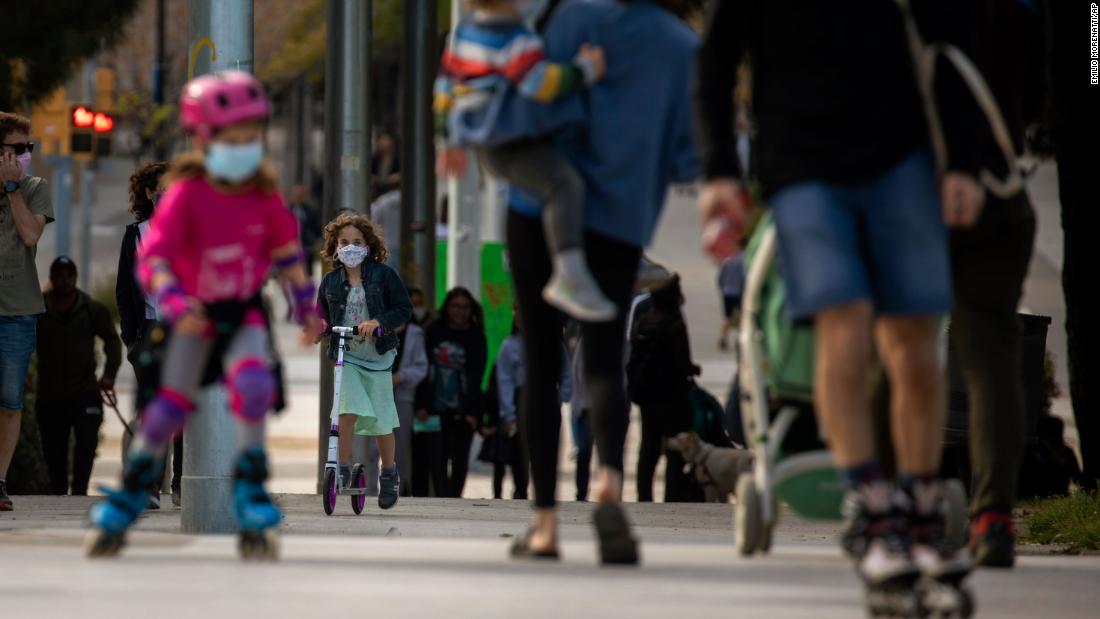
<point>372,233</point>
<point>145,177</point>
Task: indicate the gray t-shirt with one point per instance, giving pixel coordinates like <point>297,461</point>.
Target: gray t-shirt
<point>19,291</point>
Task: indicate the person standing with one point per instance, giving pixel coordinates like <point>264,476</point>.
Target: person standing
<point>385,165</point>
<point>70,399</point>
<point>25,209</point>
<point>410,369</point>
<point>309,224</point>
<point>632,139</point>
<point>457,353</point>
<point>137,310</point>
<point>860,216</point>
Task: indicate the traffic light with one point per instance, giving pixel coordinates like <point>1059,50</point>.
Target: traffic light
<point>91,132</point>
<point>81,144</point>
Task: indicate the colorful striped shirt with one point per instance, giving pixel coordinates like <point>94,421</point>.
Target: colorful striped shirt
<point>489,54</point>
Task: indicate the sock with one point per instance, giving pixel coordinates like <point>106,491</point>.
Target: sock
<point>924,488</point>
<point>862,474</point>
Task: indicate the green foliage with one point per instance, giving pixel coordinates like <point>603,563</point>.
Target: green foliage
<point>27,473</point>
<point>155,123</point>
<point>103,290</point>
<point>45,42</point>
<point>1072,521</point>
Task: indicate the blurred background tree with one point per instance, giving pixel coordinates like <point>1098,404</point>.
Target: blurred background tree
<point>45,42</point>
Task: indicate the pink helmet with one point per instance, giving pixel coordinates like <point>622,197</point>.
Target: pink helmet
<point>210,102</point>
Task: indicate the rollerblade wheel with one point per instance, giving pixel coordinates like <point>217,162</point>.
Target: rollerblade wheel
<point>359,482</point>
<point>747,524</point>
<point>956,507</point>
<point>102,545</point>
<point>328,491</point>
<point>259,545</point>
<point>948,601</point>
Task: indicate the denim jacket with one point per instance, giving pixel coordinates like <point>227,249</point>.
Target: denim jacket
<point>387,302</point>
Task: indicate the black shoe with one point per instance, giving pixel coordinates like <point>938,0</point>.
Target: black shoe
<point>389,482</point>
<point>993,540</point>
<point>5,501</point>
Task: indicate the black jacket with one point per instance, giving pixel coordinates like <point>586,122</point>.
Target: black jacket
<point>387,302</point>
<point>833,89</point>
<point>440,340</point>
<point>129,295</point>
<point>660,363</point>
<point>66,349</point>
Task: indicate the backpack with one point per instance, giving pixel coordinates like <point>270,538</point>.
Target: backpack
<point>707,417</point>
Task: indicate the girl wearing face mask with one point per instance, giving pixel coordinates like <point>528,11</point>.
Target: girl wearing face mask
<point>362,292</point>
<point>218,231</point>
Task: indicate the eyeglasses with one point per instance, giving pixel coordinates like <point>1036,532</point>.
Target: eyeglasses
<point>21,147</point>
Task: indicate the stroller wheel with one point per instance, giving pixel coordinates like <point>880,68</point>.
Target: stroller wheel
<point>748,525</point>
<point>956,507</point>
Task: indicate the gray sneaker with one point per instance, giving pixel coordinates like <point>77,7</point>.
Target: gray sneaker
<point>389,487</point>
<point>5,501</point>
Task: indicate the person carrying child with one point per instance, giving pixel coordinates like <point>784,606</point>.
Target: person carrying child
<point>363,292</point>
<point>216,235</point>
<point>492,55</point>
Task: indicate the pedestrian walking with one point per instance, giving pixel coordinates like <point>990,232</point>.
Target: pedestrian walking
<point>457,353</point>
<point>410,369</point>
<point>579,423</point>
<point>658,374</point>
<point>137,309</point>
<point>25,209</point>
<point>309,224</point>
<point>636,140</point>
<point>844,165</point>
<point>218,232</point>
<point>385,165</point>
<point>70,398</point>
<point>362,292</point>
<point>493,54</point>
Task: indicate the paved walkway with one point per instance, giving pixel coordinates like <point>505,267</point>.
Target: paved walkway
<point>447,558</point>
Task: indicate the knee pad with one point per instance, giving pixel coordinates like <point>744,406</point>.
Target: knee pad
<point>165,416</point>
<point>251,390</point>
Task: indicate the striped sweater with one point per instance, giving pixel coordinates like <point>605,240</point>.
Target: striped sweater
<point>487,55</point>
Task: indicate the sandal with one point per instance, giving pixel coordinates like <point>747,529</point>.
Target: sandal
<point>617,545</point>
<point>521,549</point>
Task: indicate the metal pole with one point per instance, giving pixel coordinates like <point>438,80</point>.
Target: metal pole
<point>464,218</point>
<point>419,57</point>
<point>333,71</point>
<point>354,132</point>
<point>208,443</point>
<point>87,180</point>
<point>62,206</point>
<point>161,149</point>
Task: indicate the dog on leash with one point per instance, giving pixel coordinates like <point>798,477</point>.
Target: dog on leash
<point>715,468</point>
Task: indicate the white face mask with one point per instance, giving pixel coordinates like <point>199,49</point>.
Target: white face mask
<point>352,255</point>
<point>420,312</point>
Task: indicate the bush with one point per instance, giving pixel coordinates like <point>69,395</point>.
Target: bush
<point>27,473</point>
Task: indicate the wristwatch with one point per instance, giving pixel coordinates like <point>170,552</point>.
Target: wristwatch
<point>11,186</point>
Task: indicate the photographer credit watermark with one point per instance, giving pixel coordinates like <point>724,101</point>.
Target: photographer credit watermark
<point>1094,44</point>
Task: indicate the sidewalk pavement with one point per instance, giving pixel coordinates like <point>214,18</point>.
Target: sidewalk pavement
<point>448,557</point>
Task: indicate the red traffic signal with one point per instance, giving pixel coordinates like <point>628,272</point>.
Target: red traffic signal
<point>83,117</point>
<point>102,123</point>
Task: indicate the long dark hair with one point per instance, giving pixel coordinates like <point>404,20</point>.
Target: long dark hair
<point>477,314</point>
<point>145,177</point>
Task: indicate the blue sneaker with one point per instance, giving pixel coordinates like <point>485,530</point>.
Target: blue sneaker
<point>389,487</point>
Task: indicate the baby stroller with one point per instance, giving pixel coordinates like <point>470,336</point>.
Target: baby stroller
<point>775,372</point>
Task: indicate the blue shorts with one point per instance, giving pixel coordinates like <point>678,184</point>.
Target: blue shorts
<point>881,240</point>
<point>18,337</point>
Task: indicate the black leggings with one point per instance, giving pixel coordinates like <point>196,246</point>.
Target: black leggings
<point>614,265</point>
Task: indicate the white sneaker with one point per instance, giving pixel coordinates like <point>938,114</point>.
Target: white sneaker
<point>581,300</point>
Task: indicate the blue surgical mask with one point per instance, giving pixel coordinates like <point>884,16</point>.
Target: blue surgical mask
<point>234,162</point>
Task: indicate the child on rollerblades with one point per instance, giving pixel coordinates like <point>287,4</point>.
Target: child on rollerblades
<point>217,233</point>
<point>364,293</point>
<point>493,52</point>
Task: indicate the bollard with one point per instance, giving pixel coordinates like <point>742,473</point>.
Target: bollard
<point>209,451</point>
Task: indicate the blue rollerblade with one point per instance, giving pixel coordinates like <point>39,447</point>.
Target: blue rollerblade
<point>256,514</point>
<point>111,518</point>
